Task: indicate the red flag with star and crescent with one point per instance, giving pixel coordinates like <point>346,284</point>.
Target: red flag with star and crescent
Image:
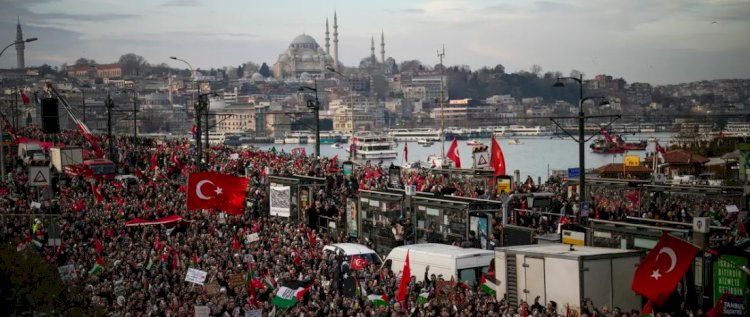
<point>215,190</point>
<point>453,154</point>
<point>659,273</point>
<point>497,159</point>
<point>358,263</point>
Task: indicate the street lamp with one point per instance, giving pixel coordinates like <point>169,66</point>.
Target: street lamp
<point>351,102</point>
<point>581,123</point>
<point>2,141</point>
<point>135,113</point>
<point>17,42</point>
<point>192,87</point>
<point>314,106</point>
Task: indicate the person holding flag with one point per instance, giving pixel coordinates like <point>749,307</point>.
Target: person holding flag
<point>662,269</point>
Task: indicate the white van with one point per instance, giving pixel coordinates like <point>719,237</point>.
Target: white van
<point>463,264</point>
<point>352,249</point>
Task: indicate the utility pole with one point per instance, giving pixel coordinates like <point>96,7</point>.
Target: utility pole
<point>83,104</point>
<point>110,104</point>
<point>314,106</point>
<point>441,54</point>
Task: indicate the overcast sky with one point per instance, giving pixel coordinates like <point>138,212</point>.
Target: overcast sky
<point>657,41</point>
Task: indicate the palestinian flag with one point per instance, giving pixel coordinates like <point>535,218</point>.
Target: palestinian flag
<point>487,286</point>
<point>287,297</point>
<point>377,300</point>
<point>98,266</point>
<point>423,298</point>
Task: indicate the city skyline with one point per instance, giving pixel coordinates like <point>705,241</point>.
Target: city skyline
<point>641,41</point>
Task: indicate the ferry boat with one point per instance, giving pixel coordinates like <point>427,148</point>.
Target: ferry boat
<point>373,145</point>
<point>474,143</point>
<point>415,134</point>
<point>331,137</point>
<point>524,131</point>
<point>737,129</point>
<point>296,138</point>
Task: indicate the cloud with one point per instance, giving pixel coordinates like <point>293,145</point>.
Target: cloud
<point>182,3</point>
<point>99,17</point>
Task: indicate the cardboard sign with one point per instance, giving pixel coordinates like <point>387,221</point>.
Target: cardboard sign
<point>195,276</point>
<point>236,280</point>
<point>212,288</point>
<point>202,311</point>
<point>250,238</point>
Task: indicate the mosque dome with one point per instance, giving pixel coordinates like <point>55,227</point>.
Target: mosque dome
<point>304,40</point>
<point>257,77</point>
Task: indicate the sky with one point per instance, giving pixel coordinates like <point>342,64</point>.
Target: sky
<point>655,41</point>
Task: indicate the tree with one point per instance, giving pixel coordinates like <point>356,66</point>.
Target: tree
<point>499,69</point>
<point>132,64</point>
<point>411,66</point>
<point>250,68</point>
<point>536,70</point>
<point>240,71</point>
<point>84,62</point>
<point>576,73</point>
<point>264,70</point>
<point>31,284</point>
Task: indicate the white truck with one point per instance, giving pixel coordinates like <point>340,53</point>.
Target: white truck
<point>572,275</point>
<point>65,156</point>
<point>461,264</point>
<point>27,149</point>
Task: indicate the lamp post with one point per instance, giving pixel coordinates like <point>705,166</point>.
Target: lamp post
<point>314,106</point>
<point>109,103</point>
<point>351,102</point>
<point>581,124</point>
<point>2,132</point>
<point>135,113</point>
<point>192,88</point>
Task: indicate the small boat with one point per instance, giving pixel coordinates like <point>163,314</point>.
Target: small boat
<point>474,143</point>
<point>515,142</point>
<point>652,139</point>
<point>425,142</point>
<point>336,145</point>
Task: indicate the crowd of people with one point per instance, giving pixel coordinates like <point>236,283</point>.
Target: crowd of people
<point>140,270</point>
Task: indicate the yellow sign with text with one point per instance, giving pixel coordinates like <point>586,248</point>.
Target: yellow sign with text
<point>632,160</point>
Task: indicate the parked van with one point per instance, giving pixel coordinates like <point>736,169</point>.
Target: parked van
<point>352,249</point>
<point>463,264</point>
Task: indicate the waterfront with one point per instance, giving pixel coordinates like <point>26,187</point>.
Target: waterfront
<point>535,156</point>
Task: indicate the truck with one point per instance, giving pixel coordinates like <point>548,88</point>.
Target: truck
<point>462,264</point>
<point>96,169</point>
<point>27,149</point>
<point>567,274</point>
<point>61,157</point>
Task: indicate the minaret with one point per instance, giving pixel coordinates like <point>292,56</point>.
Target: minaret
<point>372,47</point>
<point>382,47</point>
<point>20,46</point>
<point>328,40</point>
<point>335,41</point>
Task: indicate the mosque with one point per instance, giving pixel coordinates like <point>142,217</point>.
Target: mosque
<point>304,59</point>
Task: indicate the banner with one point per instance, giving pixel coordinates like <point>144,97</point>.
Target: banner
<point>250,238</point>
<point>160,221</point>
<point>280,201</point>
<point>731,280</point>
<point>195,276</point>
<point>254,313</point>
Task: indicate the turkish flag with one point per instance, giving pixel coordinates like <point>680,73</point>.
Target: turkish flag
<point>453,154</point>
<point>25,98</point>
<point>405,279</point>
<point>215,190</point>
<point>658,274</point>
<point>98,197</point>
<point>497,159</point>
<point>98,246</point>
<point>358,263</point>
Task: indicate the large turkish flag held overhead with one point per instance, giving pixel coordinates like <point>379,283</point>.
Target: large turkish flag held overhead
<point>658,274</point>
<point>214,190</point>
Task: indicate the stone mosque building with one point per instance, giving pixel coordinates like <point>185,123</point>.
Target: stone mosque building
<point>305,58</point>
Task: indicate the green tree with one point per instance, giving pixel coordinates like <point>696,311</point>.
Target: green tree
<point>264,70</point>
<point>28,283</point>
<point>132,64</point>
<point>83,62</point>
